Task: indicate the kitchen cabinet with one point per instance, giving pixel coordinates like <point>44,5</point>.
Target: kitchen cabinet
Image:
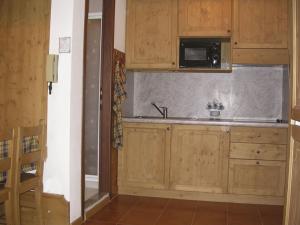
<point>151,34</point>
<point>257,177</point>
<point>204,18</point>
<point>258,151</point>
<point>203,162</point>
<point>293,199</point>
<point>259,135</point>
<point>145,156</point>
<point>260,31</point>
<point>257,161</point>
<point>199,158</point>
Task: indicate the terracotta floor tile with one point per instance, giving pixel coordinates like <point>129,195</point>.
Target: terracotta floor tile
<point>271,210</point>
<point>98,223</point>
<point>129,210</point>
<point>213,206</point>
<point>145,212</point>
<point>243,208</point>
<point>270,220</point>
<point>211,215</point>
<point>243,219</point>
<point>243,214</point>
<point>116,209</point>
<point>271,215</point>
<point>178,212</point>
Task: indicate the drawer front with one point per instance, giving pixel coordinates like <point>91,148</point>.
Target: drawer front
<point>253,177</point>
<point>258,151</point>
<point>259,135</point>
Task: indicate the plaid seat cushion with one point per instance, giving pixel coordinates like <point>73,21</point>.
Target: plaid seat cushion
<point>3,154</point>
<point>29,144</point>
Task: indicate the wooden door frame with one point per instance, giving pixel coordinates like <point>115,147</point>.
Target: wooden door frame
<point>106,62</point>
<point>86,16</point>
<point>105,160</point>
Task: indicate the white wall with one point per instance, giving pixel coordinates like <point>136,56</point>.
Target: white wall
<point>76,109</point>
<point>120,25</point>
<point>62,173</point>
<point>63,164</point>
<point>57,166</point>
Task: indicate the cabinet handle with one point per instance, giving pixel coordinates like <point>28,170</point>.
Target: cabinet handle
<point>173,63</point>
<point>257,163</point>
<point>168,128</point>
<point>228,31</point>
<point>258,152</point>
<point>235,43</point>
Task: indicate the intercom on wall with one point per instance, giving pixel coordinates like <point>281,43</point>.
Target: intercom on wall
<point>52,70</point>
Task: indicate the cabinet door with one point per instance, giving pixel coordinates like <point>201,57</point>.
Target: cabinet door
<point>256,177</point>
<point>151,34</point>
<point>199,158</point>
<point>293,197</point>
<point>144,159</point>
<point>260,24</point>
<point>205,17</point>
<point>261,135</point>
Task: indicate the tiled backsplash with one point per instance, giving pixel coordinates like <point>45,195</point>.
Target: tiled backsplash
<point>249,92</point>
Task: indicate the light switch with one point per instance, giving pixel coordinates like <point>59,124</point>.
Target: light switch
<point>65,45</point>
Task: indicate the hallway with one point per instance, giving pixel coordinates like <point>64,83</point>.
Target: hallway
<point>131,210</point>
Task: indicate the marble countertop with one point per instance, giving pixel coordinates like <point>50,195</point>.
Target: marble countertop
<point>207,121</point>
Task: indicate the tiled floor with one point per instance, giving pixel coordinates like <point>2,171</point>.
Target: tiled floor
<point>130,210</point>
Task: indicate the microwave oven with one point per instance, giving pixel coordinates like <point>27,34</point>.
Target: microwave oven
<point>200,53</point>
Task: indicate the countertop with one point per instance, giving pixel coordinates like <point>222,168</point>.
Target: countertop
<point>207,121</point>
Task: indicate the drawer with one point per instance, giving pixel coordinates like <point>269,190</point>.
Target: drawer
<point>259,135</point>
<point>253,177</point>
<point>258,151</point>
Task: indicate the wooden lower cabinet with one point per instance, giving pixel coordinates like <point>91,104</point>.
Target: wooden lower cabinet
<point>144,159</point>
<point>261,135</point>
<point>199,158</point>
<point>199,162</point>
<point>253,177</point>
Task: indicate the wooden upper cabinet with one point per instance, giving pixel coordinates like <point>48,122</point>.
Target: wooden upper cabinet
<point>260,24</point>
<point>144,158</point>
<point>199,158</point>
<point>151,34</point>
<point>205,17</point>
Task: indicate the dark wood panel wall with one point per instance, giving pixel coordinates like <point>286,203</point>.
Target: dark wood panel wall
<point>24,44</point>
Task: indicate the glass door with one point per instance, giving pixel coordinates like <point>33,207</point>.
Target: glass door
<point>92,113</point>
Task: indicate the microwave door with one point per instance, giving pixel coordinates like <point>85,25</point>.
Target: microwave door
<point>194,57</point>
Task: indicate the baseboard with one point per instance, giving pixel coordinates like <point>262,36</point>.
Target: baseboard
<point>97,207</point>
<point>78,221</point>
<point>91,181</point>
<point>199,196</point>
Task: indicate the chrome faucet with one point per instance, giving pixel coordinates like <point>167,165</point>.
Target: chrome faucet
<point>215,109</point>
<point>162,110</point>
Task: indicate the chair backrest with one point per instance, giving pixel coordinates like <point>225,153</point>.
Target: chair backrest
<point>30,151</point>
<point>7,146</point>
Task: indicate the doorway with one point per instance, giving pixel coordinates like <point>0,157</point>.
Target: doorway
<point>92,113</point>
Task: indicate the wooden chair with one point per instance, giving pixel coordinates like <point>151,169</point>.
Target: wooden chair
<point>29,168</point>
<point>7,145</point>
